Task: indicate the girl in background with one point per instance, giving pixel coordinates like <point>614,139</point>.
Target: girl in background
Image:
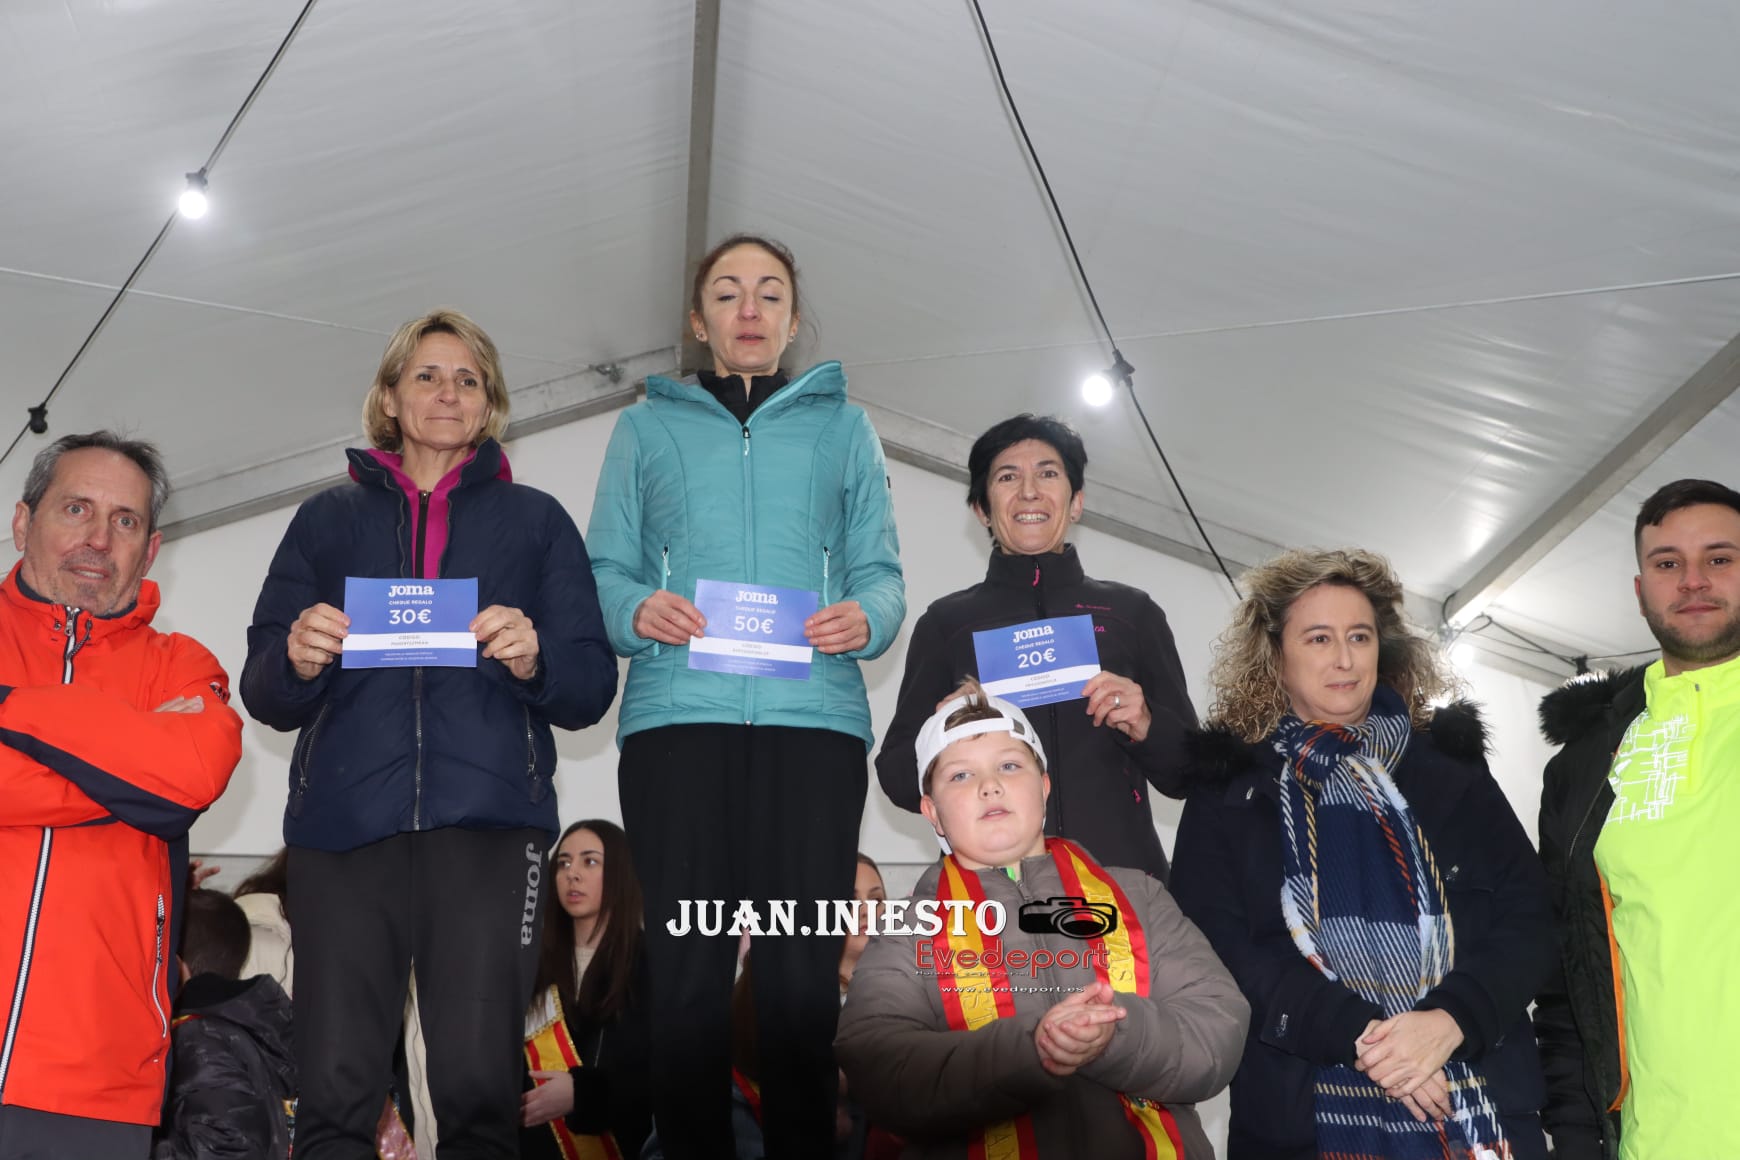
<point>586,1035</point>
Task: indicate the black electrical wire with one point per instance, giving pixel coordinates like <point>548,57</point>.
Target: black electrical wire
<point>265,75</point>
<point>1484,621</point>
<point>1581,663</point>
<point>1121,368</point>
<point>1641,652</point>
<point>38,420</point>
<point>1529,641</point>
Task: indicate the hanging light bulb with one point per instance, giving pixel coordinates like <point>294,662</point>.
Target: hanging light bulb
<point>1097,388</point>
<point>193,202</point>
<point>1462,654</point>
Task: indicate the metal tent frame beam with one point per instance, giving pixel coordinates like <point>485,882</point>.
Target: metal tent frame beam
<point>703,92</point>
<point>1706,390</point>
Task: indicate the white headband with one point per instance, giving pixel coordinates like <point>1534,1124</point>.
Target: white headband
<point>936,736</point>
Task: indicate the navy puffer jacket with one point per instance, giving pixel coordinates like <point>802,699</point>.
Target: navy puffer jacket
<point>1226,876</point>
<point>386,751</point>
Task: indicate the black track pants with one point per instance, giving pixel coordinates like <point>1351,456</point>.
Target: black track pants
<point>743,812</point>
<point>463,904</point>
<point>27,1134</point>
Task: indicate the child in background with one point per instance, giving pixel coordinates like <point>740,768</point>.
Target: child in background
<point>1088,1027</point>
<point>233,1075</point>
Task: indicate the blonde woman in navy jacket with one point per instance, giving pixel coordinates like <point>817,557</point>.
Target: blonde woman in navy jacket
<point>732,786</point>
<point>421,798</point>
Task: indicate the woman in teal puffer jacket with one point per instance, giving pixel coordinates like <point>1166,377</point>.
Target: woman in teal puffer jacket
<point>737,786</point>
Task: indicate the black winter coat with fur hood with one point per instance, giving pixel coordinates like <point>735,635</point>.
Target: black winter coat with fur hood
<point>1226,876</point>
<point>1577,1014</point>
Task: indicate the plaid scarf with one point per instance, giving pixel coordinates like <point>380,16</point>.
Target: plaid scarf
<point>1364,904</point>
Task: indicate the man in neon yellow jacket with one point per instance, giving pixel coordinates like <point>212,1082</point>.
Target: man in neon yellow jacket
<point>1640,813</point>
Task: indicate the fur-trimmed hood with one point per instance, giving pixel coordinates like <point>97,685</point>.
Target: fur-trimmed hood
<point>1584,703</point>
<point>1216,754</point>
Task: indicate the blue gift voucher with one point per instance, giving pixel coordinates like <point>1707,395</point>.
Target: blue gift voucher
<point>1040,662</point>
<point>753,630</point>
<point>398,623</point>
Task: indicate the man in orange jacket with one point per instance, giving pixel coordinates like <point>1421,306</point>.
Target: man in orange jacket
<point>114,737</point>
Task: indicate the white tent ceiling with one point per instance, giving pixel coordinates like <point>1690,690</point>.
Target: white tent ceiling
<point>1395,274</point>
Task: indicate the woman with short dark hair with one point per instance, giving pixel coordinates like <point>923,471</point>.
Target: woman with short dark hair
<point>1120,734</point>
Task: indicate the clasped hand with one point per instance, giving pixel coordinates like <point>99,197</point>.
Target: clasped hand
<point>1076,1031</point>
<point>1405,1055</point>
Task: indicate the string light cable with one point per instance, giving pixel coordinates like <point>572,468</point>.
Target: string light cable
<point>1120,370</point>
<point>1480,624</point>
<point>37,423</point>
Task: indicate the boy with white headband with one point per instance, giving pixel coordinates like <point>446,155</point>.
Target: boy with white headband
<point>1088,1026</point>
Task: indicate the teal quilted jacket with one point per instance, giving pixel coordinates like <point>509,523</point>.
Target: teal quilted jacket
<point>797,498</point>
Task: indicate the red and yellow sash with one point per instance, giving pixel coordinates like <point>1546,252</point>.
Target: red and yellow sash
<point>550,1049</point>
<point>974,995</point>
<point>751,1092</point>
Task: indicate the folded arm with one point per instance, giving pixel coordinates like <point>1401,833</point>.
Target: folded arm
<point>156,771</point>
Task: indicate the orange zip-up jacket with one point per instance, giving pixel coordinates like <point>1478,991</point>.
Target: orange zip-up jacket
<point>93,786</point>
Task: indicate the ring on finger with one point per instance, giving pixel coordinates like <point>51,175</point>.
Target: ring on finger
<point>1117,701</point>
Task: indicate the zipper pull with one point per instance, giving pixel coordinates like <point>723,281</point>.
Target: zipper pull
<point>746,441</point>
<point>1036,573</point>
<point>665,583</point>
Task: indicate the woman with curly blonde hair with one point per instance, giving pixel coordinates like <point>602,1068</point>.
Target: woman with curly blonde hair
<point>1349,856</point>
<point>1249,698</point>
